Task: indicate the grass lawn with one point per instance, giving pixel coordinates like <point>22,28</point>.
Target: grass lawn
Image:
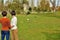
<point>39,27</point>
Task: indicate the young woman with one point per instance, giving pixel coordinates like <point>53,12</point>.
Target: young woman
<point>14,26</point>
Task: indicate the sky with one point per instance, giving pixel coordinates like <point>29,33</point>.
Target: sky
<point>35,2</point>
<point>57,2</point>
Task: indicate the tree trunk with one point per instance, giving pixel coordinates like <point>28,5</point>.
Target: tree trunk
<point>53,3</point>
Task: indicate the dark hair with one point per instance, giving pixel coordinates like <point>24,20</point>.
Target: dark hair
<point>13,13</point>
<point>4,13</point>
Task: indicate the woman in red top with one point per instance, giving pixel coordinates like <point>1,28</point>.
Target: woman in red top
<point>5,22</point>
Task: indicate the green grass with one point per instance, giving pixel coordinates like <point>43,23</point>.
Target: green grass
<point>39,27</point>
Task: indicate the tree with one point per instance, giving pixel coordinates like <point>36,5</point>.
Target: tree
<point>53,3</point>
<point>1,7</point>
<point>47,6</point>
<point>44,5</point>
<point>14,6</point>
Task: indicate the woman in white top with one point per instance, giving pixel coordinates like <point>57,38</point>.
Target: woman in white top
<point>14,26</point>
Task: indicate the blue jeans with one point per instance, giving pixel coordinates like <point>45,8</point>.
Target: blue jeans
<point>5,34</point>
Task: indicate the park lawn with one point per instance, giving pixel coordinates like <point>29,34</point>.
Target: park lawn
<point>38,27</point>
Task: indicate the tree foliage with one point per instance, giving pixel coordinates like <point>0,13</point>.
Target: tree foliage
<point>14,6</point>
<point>44,5</point>
<point>1,7</point>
